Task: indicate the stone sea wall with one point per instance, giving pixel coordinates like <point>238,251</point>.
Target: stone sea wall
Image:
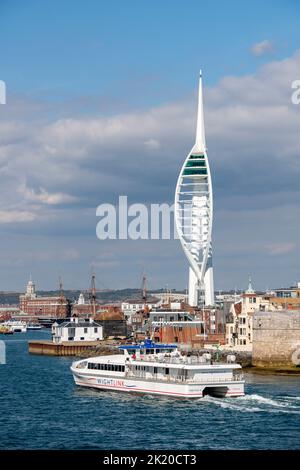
<point>276,339</point>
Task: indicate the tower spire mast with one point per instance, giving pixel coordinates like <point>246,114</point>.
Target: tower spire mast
<point>200,131</point>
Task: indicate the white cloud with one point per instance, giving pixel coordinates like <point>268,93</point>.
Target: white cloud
<point>263,47</point>
<point>42,196</point>
<point>280,248</point>
<point>152,144</point>
<point>9,217</point>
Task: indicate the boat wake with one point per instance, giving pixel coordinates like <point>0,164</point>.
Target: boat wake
<point>255,403</point>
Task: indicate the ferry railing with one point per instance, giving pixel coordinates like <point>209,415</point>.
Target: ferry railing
<point>173,360</point>
<point>183,378</point>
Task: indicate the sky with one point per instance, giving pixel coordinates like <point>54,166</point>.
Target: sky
<point>101,101</point>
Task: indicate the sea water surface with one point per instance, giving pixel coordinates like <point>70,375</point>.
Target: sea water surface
<point>41,408</point>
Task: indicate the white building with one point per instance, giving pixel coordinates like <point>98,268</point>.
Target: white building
<point>81,299</point>
<point>76,329</point>
<point>239,332</point>
<point>194,215</point>
<point>132,306</point>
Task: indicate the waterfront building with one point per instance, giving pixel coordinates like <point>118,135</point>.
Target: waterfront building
<point>8,311</point>
<point>194,215</point>
<point>287,298</point>
<point>239,328</point>
<point>170,296</point>
<point>131,306</point>
<point>76,329</point>
<point>35,305</point>
<point>190,330</point>
<point>113,322</point>
<point>84,308</point>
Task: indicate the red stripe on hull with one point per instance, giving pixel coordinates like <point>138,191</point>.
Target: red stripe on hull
<point>125,389</point>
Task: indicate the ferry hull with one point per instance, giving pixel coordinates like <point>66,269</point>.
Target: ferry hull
<point>192,390</point>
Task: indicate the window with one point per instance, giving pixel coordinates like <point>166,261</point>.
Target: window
<point>85,330</point>
<point>95,330</point>
<point>155,370</point>
<point>167,371</point>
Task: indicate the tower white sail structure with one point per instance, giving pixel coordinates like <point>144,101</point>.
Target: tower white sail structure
<point>194,215</point>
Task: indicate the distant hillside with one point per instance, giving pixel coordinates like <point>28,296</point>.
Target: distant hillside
<point>106,296</point>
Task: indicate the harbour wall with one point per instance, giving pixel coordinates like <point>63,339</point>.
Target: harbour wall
<point>276,340</point>
<point>70,348</point>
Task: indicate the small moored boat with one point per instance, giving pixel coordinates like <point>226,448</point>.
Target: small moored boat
<point>34,326</point>
<point>17,326</point>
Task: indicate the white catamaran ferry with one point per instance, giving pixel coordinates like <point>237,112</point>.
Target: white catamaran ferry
<point>162,370</point>
<point>16,326</point>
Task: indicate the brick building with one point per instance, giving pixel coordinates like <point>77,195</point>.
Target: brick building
<point>43,306</point>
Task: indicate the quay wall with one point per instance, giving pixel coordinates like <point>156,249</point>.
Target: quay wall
<point>70,348</point>
<point>276,340</point>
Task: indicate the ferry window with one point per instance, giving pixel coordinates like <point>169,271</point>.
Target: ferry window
<point>156,351</point>
<point>167,371</point>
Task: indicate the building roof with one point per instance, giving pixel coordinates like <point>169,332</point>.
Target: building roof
<point>150,300</point>
<point>79,324</point>
<point>110,315</point>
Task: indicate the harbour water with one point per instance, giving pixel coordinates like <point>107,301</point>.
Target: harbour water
<point>41,408</point>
